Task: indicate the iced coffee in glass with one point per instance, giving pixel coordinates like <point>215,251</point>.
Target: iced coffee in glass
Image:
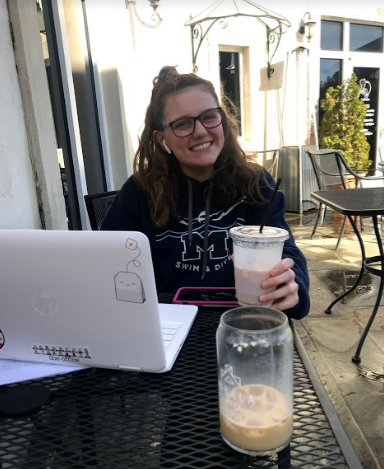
<point>255,254</point>
<point>254,350</point>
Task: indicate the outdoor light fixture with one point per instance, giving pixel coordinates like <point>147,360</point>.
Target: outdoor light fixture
<point>155,17</point>
<point>307,27</point>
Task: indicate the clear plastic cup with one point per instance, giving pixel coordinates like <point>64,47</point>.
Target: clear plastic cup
<point>255,254</point>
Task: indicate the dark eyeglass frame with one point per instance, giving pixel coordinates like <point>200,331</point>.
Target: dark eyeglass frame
<point>171,124</point>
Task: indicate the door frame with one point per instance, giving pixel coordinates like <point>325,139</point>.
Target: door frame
<point>350,59</point>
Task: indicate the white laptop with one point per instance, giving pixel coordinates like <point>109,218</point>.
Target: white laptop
<point>86,298</point>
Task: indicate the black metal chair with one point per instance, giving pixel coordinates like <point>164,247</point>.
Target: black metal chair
<point>98,206</point>
<point>269,159</point>
<point>332,173</point>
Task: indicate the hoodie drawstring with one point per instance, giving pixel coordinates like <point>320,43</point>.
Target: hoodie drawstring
<point>190,206</point>
<point>206,224</point>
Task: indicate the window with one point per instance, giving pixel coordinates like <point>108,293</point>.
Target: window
<point>331,35</point>
<point>366,38</point>
<point>330,75</point>
<point>230,79</point>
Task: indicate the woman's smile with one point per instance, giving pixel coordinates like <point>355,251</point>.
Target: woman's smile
<point>201,146</point>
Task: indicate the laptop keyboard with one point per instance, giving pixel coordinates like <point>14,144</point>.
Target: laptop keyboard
<point>169,332</point>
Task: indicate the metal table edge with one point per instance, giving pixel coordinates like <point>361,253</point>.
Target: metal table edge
<point>345,444</point>
<point>346,211</point>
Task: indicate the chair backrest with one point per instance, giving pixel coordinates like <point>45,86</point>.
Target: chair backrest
<point>269,159</point>
<point>330,169</point>
<point>98,206</point>
<point>332,172</point>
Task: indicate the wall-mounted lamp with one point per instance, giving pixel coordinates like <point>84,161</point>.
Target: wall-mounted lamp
<point>155,17</point>
<point>307,27</point>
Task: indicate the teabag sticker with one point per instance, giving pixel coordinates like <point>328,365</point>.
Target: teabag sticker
<point>128,285</point>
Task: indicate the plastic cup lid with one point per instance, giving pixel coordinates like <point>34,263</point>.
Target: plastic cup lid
<point>251,233</point>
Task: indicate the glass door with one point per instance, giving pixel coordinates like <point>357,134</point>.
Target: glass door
<point>348,47</point>
<point>370,79</point>
<point>365,59</point>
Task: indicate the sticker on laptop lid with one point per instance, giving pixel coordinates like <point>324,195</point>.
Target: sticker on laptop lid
<point>63,353</point>
<point>2,339</point>
<point>128,285</point>
<point>45,303</point>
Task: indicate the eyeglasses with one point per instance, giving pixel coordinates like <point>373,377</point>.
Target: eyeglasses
<point>186,125</point>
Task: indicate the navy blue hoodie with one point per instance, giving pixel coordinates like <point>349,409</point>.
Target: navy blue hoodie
<point>195,251</point>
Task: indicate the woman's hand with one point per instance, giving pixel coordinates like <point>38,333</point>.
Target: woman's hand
<point>283,278</point>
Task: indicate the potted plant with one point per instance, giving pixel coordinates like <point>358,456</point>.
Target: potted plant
<point>342,126</point>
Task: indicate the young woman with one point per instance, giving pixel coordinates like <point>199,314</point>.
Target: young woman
<point>191,184</point>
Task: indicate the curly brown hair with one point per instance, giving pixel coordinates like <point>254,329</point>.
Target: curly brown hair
<point>156,172</point>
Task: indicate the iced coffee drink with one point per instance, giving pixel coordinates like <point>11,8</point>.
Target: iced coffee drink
<point>255,254</point>
<point>248,286</point>
<point>256,418</point>
<point>255,364</point>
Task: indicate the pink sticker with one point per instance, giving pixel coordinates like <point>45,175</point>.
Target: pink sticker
<point>131,244</point>
<point>2,339</point>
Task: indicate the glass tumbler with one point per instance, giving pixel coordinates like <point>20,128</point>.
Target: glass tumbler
<point>255,364</point>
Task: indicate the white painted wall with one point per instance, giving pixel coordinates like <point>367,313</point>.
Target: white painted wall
<point>18,201</point>
<point>127,56</point>
<point>30,186</point>
<point>113,60</point>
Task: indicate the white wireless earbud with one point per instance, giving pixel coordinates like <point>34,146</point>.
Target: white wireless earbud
<point>166,147</point>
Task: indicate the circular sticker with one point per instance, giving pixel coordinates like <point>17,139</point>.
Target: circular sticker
<point>2,339</point>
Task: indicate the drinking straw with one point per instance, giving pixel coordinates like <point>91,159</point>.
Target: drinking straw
<point>270,205</point>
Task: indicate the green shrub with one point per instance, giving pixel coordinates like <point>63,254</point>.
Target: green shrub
<point>343,123</point>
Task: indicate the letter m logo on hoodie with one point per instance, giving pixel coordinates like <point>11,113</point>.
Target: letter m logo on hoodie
<point>217,245</point>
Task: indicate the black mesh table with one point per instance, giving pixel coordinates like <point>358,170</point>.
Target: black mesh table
<point>359,202</point>
<point>119,420</point>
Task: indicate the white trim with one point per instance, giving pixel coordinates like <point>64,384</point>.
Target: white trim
<point>103,129</point>
<point>71,109</point>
